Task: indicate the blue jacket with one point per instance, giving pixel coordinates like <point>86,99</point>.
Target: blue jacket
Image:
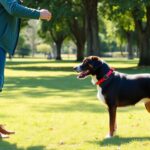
<point>10,13</point>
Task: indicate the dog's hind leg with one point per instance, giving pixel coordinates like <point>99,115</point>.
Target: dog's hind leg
<point>147,106</point>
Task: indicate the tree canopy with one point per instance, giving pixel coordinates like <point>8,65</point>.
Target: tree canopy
<point>98,26</point>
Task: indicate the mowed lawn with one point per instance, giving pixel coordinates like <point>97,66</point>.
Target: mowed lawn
<point>52,110</point>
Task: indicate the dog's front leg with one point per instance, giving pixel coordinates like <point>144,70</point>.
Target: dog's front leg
<point>112,120</point>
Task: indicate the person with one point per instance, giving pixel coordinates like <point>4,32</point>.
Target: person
<point>11,12</point>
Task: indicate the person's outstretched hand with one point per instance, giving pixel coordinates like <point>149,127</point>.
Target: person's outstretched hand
<point>45,15</point>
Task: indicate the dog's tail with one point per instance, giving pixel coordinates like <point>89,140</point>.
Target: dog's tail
<point>147,106</point>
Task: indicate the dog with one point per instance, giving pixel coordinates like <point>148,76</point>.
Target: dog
<point>115,89</point>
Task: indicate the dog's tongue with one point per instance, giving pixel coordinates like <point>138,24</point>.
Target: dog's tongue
<point>81,75</point>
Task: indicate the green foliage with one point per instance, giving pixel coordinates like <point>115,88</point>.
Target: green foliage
<point>21,41</point>
<point>44,48</point>
<point>116,20</point>
<point>119,20</point>
<point>23,49</point>
<point>121,7</point>
<point>57,26</point>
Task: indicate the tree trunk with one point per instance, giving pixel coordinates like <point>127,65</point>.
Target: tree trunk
<point>129,45</point>
<point>93,42</point>
<point>144,51</point>
<point>58,38</point>
<point>144,46</point>
<point>78,30</point>
<point>143,36</point>
<point>80,51</point>
<point>58,50</point>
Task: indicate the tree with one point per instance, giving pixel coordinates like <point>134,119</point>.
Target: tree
<point>140,13</point>
<point>68,21</point>
<point>57,27</point>
<point>76,23</point>
<point>126,29</point>
<point>45,49</point>
<point>31,34</point>
<point>92,29</point>
<point>143,31</point>
<point>124,25</point>
<point>23,49</point>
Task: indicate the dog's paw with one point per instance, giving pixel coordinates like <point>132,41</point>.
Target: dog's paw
<point>108,136</point>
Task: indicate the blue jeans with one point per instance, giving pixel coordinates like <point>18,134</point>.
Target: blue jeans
<point>2,67</point>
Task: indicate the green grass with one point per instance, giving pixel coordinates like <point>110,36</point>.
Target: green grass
<point>51,110</point>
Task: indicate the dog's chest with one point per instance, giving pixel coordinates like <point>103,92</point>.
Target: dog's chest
<point>100,96</point>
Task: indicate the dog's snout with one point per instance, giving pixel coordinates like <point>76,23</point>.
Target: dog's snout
<point>77,68</point>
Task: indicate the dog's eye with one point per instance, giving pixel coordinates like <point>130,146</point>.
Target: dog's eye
<point>84,66</point>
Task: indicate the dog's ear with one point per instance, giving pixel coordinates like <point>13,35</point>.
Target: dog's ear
<point>85,60</point>
<point>94,58</point>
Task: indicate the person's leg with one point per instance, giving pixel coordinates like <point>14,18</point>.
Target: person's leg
<point>3,131</point>
<point>2,67</point>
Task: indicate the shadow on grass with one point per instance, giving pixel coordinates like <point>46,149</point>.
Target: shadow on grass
<point>59,87</point>
<point>11,63</point>
<point>63,86</point>
<point>71,107</point>
<point>134,70</point>
<point>117,141</point>
<point>15,66</point>
<point>65,83</point>
<point>78,106</point>
<point>121,61</point>
<point>35,68</point>
<point>4,145</point>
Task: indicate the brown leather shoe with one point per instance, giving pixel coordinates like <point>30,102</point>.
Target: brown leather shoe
<point>4,131</point>
<point>147,106</point>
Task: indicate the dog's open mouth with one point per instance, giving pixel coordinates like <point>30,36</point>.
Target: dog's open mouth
<point>83,74</point>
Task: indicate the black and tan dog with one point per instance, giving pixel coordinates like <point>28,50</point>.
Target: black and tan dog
<point>115,89</point>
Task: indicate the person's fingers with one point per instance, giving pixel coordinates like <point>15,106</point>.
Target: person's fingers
<point>49,17</point>
<point>45,14</point>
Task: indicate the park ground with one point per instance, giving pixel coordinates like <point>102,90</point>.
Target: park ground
<point>51,110</point>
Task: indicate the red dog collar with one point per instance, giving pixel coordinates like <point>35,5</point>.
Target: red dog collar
<point>105,77</point>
